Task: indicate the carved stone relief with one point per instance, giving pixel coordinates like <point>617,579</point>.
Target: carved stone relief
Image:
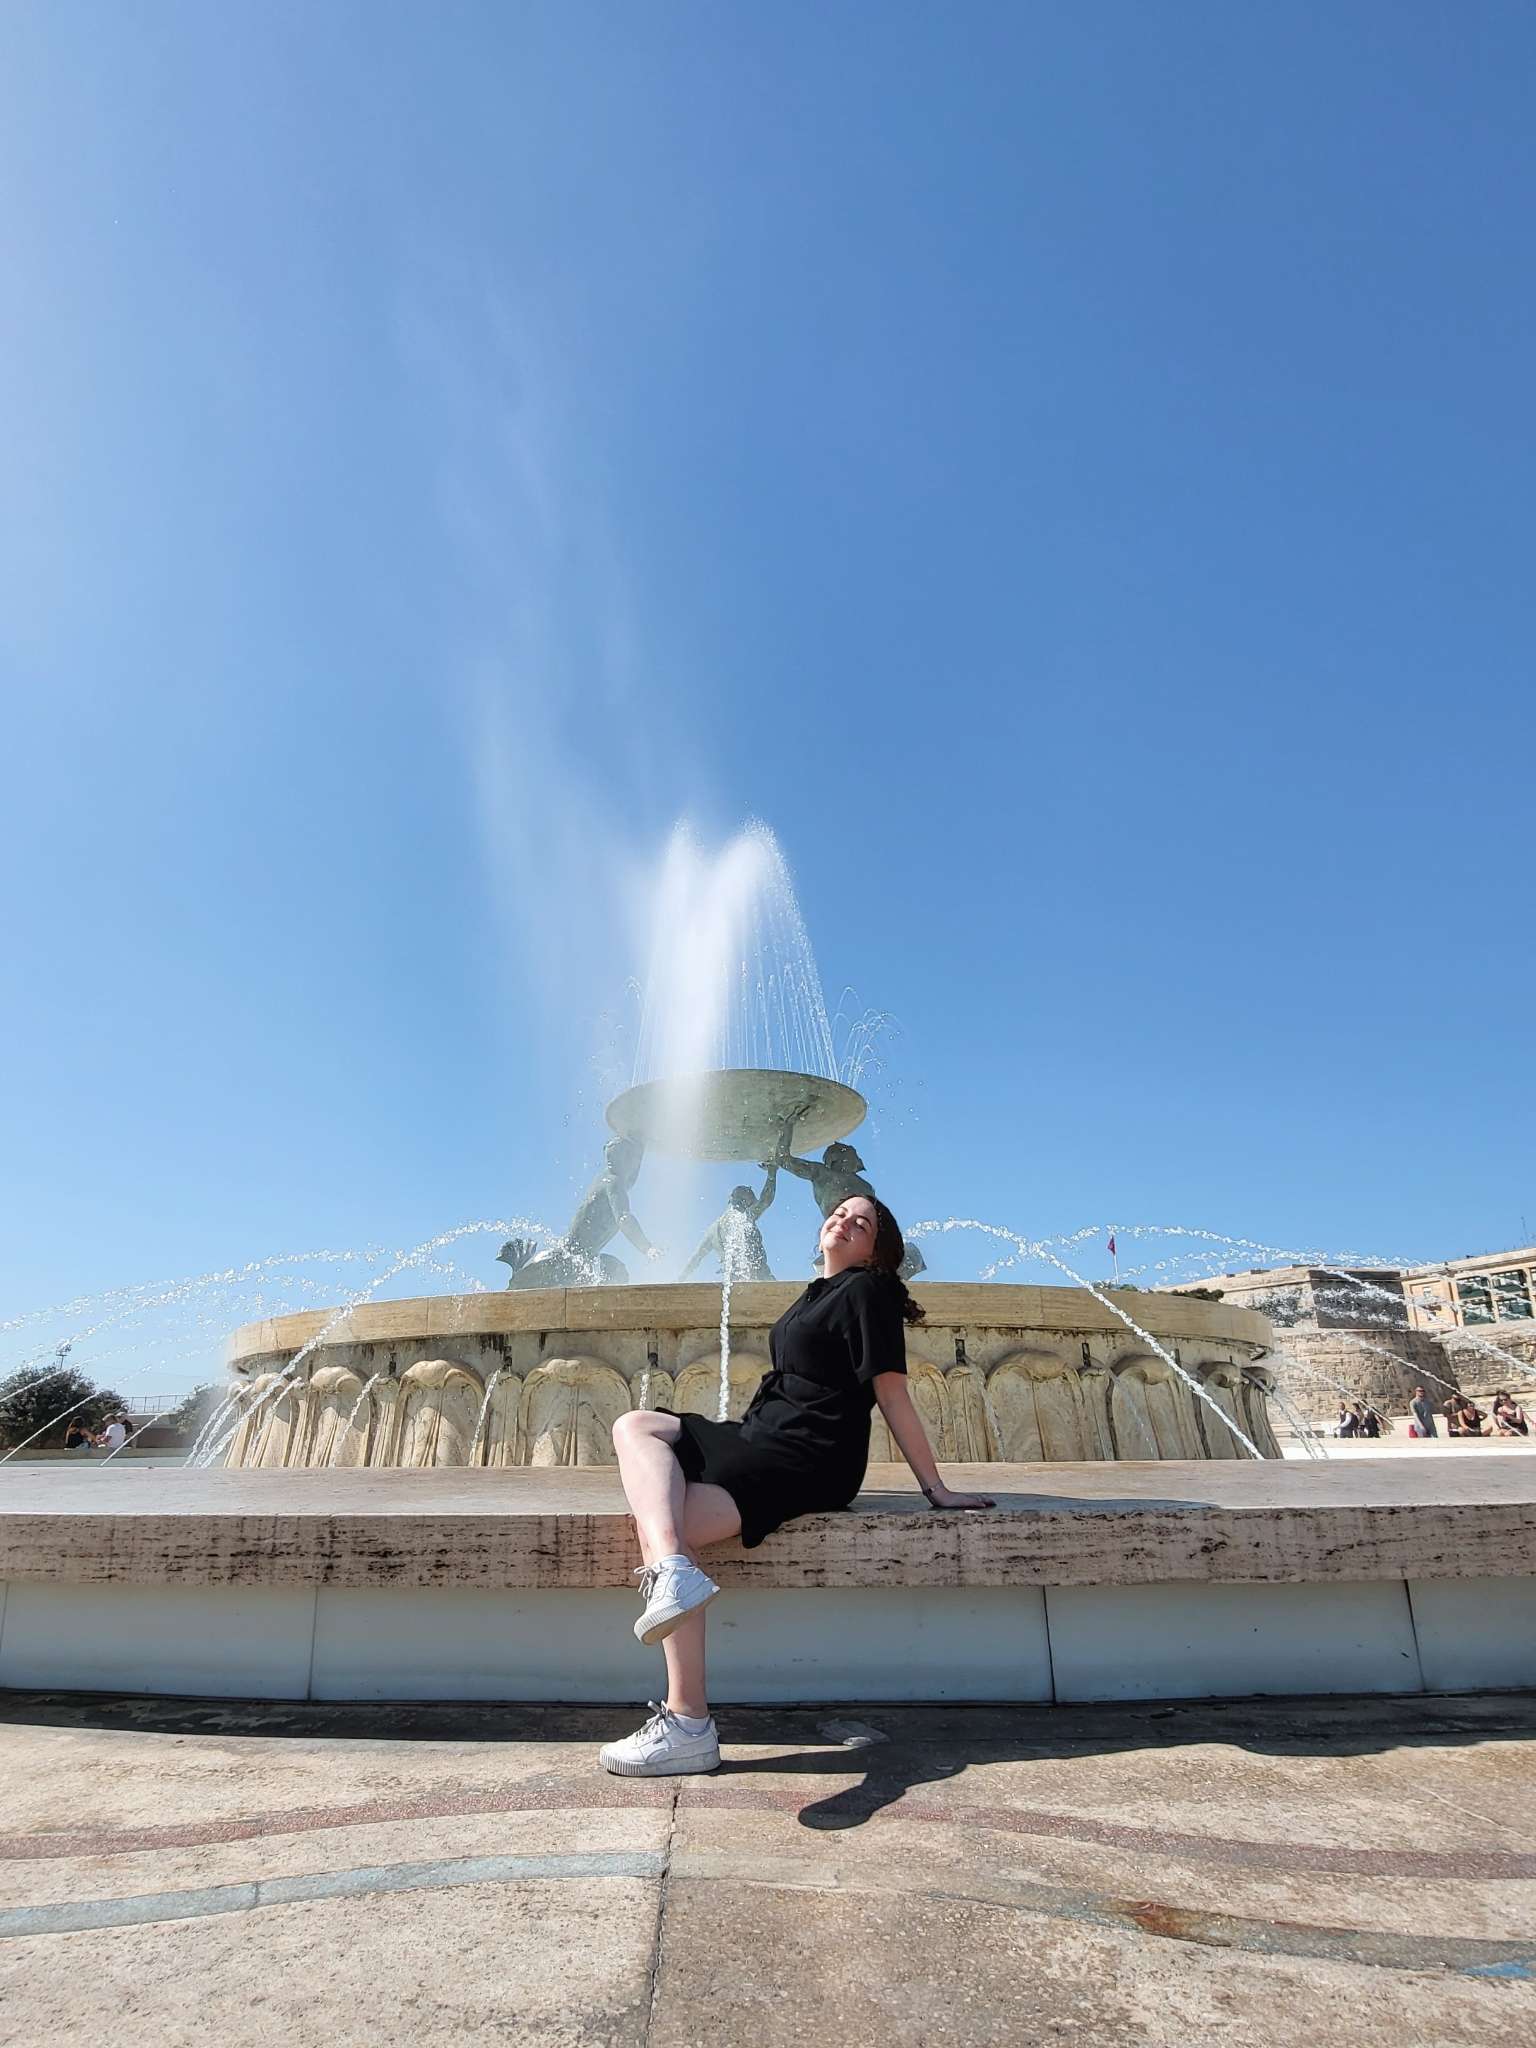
<point>439,1406</point>
<point>502,1442</point>
<point>331,1436</point>
<point>1153,1411</point>
<point>569,1408</point>
<point>698,1386</point>
<point>930,1398</point>
<point>972,1428</point>
<point>1037,1399</point>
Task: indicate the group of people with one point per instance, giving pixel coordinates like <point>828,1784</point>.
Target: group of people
<point>81,1437</point>
<point>1459,1413</point>
<point>1358,1418</point>
<point>1462,1416</point>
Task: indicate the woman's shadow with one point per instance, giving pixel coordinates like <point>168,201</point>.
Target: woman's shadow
<point>892,1769</point>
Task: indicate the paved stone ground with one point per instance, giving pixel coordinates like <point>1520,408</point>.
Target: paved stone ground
<point>1327,1871</point>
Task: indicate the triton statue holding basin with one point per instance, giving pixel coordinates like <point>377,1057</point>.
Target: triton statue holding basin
<point>1000,1372</point>
<point>578,1259</point>
<point>734,1238</point>
<point>838,1173</point>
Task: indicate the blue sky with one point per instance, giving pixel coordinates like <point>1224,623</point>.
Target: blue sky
<point>1067,469</point>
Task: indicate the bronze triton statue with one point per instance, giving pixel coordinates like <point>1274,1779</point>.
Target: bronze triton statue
<point>578,1259</point>
<point>836,1175</point>
<point>734,1237</point>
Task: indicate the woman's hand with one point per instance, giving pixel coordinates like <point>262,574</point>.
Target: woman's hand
<point>943,1497</point>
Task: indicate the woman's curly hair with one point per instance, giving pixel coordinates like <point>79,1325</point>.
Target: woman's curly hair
<point>888,1255</point>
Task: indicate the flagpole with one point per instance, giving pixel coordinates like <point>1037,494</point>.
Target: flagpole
<point>1115,1255</point>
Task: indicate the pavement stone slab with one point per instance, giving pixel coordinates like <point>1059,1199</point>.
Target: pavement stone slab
<point>1347,1873</point>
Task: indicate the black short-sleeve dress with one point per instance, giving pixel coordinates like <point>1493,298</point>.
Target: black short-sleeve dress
<point>803,1445</point>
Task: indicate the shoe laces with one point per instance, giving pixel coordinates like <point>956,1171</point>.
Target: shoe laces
<point>648,1574</point>
<point>661,1717</point>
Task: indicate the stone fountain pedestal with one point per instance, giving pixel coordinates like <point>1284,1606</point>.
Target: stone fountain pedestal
<point>538,1377</point>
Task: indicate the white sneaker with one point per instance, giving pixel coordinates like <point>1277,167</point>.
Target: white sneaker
<point>663,1748</point>
<point>670,1590</point>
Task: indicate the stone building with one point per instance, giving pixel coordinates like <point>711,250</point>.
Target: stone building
<point>1477,1308</point>
<point>1498,1287</point>
<point>1377,1332</point>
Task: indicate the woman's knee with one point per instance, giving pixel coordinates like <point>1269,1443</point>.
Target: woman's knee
<point>628,1428</point>
<point>637,1425</point>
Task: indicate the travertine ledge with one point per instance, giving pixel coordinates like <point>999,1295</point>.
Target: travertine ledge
<point>1054,1525</point>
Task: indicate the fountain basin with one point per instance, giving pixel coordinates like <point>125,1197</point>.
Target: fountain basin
<point>537,1377</point>
<point>735,1113</point>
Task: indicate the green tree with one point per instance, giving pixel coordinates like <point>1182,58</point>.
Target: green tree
<point>195,1410</point>
<point>46,1399</point>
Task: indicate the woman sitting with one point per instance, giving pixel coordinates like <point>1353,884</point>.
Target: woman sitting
<point>1469,1418</point>
<point>800,1449</point>
<point>1509,1418</point>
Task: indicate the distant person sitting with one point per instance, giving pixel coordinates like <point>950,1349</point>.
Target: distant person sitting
<point>1370,1421</point>
<point>734,1238</point>
<point>116,1434</point>
<point>78,1438</point>
<point>1469,1418</point>
<point>1509,1418</point>
<point>1451,1406</point>
<point>1423,1413</point>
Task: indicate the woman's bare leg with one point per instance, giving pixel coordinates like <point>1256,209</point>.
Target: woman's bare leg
<point>652,1479</point>
<point>687,1692</point>
<point>672,1518</point>
<point>710,1516</point>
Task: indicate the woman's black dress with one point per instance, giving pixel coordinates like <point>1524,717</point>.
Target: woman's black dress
<point>803,1444</point>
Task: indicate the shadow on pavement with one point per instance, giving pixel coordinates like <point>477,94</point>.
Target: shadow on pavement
<point>897,1748</point>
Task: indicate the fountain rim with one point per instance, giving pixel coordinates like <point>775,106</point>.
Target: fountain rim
<point>974,1306</point>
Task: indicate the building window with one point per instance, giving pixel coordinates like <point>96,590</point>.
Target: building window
<point>1511,1296</point>
<point>1474,1298</point>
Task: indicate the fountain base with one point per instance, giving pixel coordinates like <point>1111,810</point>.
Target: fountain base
<point>1087,1582</point>
<point>538,1376</point>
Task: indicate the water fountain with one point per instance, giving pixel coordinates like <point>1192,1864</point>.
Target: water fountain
<point>735,1063</point>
